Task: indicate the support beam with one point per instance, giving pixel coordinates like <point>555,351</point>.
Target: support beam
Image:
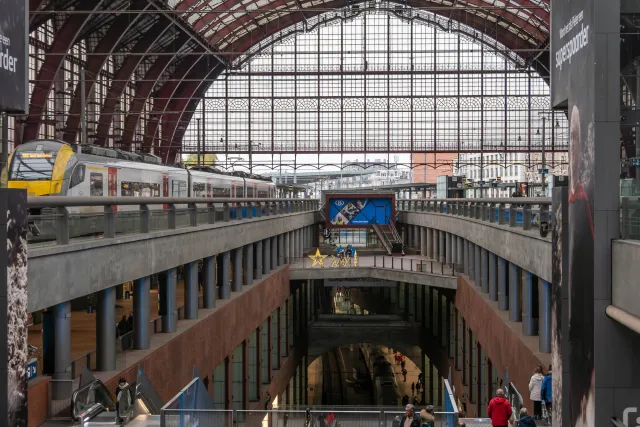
<point>106,330</point>
<point>237,270</point>
<point>224,275</point>
<point>141,315</point>
<point>191,290</point>
<point>248,264</point>
<point>209,285</point>
<point>168,300</point>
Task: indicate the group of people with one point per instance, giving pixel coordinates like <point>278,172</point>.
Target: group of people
<point>540,392</point>
<point>125,325</point>
<point>345,253</point>
<point>425,418</point>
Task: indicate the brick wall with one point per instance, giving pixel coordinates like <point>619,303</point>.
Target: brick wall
<point>208,342</point>
<point>501,343</point>
<point>38,400</point>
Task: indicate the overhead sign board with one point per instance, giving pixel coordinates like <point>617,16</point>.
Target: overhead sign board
<point>14,59</point>
<point>359,210</point>
<point>635,161</point>
<point>543,171</point>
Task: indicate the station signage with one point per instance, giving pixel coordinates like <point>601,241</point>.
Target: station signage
<point>32,369</point>
<point>14,59</point>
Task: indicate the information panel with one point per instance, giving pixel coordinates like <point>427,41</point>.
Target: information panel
<point>359,211</point>
<point>13,56</point>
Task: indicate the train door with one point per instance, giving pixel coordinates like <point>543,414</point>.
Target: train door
<point>112,183</point>
<point>165,188</point>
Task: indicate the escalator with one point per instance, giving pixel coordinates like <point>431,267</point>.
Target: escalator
<point>93,405</point>
<point>390,239</point>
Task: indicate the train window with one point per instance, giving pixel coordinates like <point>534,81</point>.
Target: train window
<point>239,192</point>
<point>126,189</point>
<point>95,184</point>
<point>145,189</point>
<point>156,189</point>
<point>179,189</point>
<point>199,189</point>
<point>221,192</point>
<point>33,166</point>
<point>209,190</point>
<point>77,176</point>
<point>249,192</point>
<point>263,193</point>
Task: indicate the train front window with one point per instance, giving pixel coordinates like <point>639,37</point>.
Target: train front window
<point>32,166</point>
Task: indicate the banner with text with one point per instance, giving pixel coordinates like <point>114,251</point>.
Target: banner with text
<point>14,60</point>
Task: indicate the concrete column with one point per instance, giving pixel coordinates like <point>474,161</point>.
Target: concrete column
<point>274,252</point>
<point>61,325</point>
<point>106,330</point>
<point>447,248</point>
<point>280,238</point>
<point>416,233</point>
<point>503,289</point>
<point>460,264</point>
<point>300,244</point>
<point>423,241</point>
<point>209,285</point>
<point>484,278</point>
<point>168,301</point>
<point>224,275</point>
<point>247,259</point>
<point>141,316</point>
<point>493,278</point>
<point>544,292</point>
<point>442,250</point>
<point>236,285</point>
<point>191,290</point>
<point>515,311</point>
<point>465,260</point>
<point>430,243</point>
<point>257,272</point>
<point>287,253</point>
<point>436,245</point>
<point>472,261</point>
<point>477,265</point>
<point>266,256</point>
<point>529,320</point>
<point>454,246</point>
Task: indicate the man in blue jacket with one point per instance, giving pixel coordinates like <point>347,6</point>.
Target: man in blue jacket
<point>545,391</point>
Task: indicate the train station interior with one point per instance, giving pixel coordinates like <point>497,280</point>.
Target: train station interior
<point>319,213</point>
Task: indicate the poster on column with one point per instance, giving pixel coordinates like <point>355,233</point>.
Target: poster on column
<point>13,293</point>
<point>572,87</point>
<point>13,56</point>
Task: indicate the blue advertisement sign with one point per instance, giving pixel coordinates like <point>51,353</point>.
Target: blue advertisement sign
<point>32,369</point>
<point>352,211</point>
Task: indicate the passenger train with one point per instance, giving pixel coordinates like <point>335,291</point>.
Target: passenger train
<point>52,167</point>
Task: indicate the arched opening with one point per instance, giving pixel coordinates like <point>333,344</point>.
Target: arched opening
<point>381,85</point>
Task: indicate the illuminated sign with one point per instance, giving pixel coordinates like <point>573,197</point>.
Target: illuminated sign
<point>36,155</point>
<point>359,211</point>
<point>32,369</point>
<point>334,261</point>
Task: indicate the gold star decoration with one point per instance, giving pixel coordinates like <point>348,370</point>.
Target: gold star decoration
<point>355,258</point>
<point>318,259</point>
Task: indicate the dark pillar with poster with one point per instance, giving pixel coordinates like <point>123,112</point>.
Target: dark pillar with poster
<point>594,371</point>
<point>13,308</point>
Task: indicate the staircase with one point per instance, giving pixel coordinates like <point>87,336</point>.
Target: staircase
<point>390,238</point>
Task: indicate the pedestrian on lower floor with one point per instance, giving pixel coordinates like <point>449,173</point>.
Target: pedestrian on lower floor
<point>404,374</point>
<point>525,419</point>
<point>499,410</point>
<point>413,388</point>
<point>402,363</point>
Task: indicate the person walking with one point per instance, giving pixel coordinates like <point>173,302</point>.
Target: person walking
<point>546,391</point>
<point>535,386</point>
<point>427,416</point>
<point>410,418</point>
<point>499,410</point>
<point>404,375</point>
<point>525,419</point>
<point>413,388</point>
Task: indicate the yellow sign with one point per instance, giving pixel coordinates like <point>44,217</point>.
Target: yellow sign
<point>334,261</point>
<point>36,155</point>
<point>318,259</point>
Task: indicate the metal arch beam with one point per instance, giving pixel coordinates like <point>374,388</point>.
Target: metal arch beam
<point>185,105</point>
<point>35,5</point>
<point>144,88</point>
<point>62,43</point>
<point>123,75</point>
<point>505,37</point>
<point>469,19</point>
<point>218,14</point>
<point>165,95</point>
<point>96,60</point>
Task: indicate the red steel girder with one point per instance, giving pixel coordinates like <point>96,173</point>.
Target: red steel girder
<point>507,38</point>
<point>165,94</point>
<point>122,76</point>
<point>183,106</point>
<point>34,5</point>
<point>144,88</point>
<point>62,42</point>
<point>96,60</point>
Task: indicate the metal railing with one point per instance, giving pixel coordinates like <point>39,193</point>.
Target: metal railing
<point>415,265</point>
<point>58,219</point>
<point>523,212</point>
<point>90,400</point>
<point>366,417</point>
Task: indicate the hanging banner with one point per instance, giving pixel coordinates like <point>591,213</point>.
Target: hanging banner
<point>360,210</point>
<point>14,59</point>
<point>573,88</point>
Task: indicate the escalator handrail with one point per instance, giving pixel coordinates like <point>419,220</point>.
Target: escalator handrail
<point>74,398</point>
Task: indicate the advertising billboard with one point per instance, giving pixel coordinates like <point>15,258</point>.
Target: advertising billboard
<point>359,210</point>
<point>573,87</point>
<point>14,60</point>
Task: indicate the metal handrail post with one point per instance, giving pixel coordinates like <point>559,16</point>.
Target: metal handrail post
<point>144,218</point>
<point>171,216</point>
<point>193,214</point>
<point>62,226</point>
<point>109,222</point>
